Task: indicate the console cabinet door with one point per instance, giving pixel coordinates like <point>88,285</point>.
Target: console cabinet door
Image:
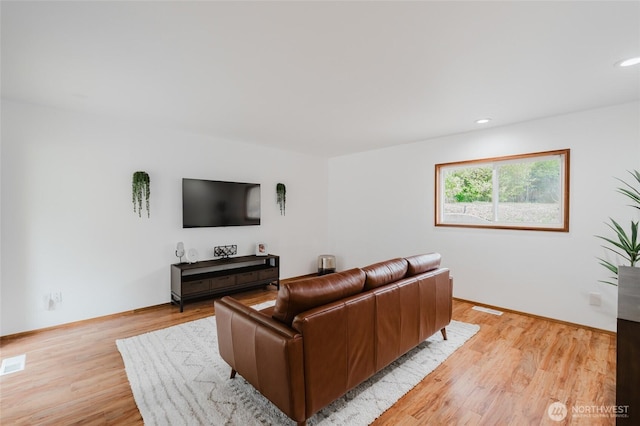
<point>222,282</point>
<point>195,287</point>
<point>247,277</point>
<point>266,274</point>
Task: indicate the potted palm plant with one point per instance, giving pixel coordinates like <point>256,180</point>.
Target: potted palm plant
<point>626,245</point>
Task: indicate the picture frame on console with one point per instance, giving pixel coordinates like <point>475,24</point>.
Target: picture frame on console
<point>261,249</point>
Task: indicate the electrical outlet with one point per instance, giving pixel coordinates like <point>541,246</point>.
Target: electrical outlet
<point>56,296</point>
<point>47,302</point>
<point>595,299</point>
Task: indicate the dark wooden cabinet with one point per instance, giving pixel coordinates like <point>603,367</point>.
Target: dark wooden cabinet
<point>628,346</point>
<point>628,372</point>
<point>212,278</point>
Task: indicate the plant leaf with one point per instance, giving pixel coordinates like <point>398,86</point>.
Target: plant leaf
<point>630,191</point>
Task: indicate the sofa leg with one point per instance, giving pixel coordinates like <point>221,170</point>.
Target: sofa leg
<point>302,423</point>
<point>233,374</point>
<point>444,333</point>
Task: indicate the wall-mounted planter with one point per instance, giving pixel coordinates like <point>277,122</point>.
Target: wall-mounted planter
<point>281,197</point>
<point>140,191</point>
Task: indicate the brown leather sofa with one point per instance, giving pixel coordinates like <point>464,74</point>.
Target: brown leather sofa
<point>327,334</point>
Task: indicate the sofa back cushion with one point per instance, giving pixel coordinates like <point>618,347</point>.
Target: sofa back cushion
<point>422,263</point>
<point>301,295</point>
<point>385,272</point>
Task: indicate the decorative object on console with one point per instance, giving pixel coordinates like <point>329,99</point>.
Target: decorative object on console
<point>180,250</point>
<point>225,251</point>
<point>281,197</point>
<point>192,255</point>
<point>141,189</point>
<point>261,249</point>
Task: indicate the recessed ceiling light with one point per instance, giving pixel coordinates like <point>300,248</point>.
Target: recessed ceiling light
<point>629,62</point>
<point>483,121</point>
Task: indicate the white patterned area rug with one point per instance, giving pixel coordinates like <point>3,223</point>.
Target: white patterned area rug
<point>178,378</point>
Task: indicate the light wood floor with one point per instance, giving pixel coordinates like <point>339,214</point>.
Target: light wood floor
<point>508,374</point>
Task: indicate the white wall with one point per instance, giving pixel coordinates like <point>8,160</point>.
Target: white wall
<point>381,205</point>
<point>68,222</point>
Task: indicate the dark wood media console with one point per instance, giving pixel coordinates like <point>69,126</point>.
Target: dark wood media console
<point>221,276</point>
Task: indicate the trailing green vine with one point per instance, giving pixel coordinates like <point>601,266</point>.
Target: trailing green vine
<point>141,189</point>
<point>281,197</point>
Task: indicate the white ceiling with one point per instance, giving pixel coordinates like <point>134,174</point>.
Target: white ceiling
<point>324,78</point>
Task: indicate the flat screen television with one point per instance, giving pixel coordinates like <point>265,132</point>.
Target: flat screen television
<point>211,203</point>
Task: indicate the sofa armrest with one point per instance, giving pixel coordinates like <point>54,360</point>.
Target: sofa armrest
<point>267,353</point>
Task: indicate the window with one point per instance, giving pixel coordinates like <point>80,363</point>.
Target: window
<point>528,192</point>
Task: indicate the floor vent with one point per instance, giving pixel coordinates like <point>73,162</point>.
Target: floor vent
<point>12,365</point>
<point>487,310</point>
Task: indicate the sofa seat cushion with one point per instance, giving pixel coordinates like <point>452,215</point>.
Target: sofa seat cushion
<point>301,295</point>
<point>383,273</point>
<point>422,263</point>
